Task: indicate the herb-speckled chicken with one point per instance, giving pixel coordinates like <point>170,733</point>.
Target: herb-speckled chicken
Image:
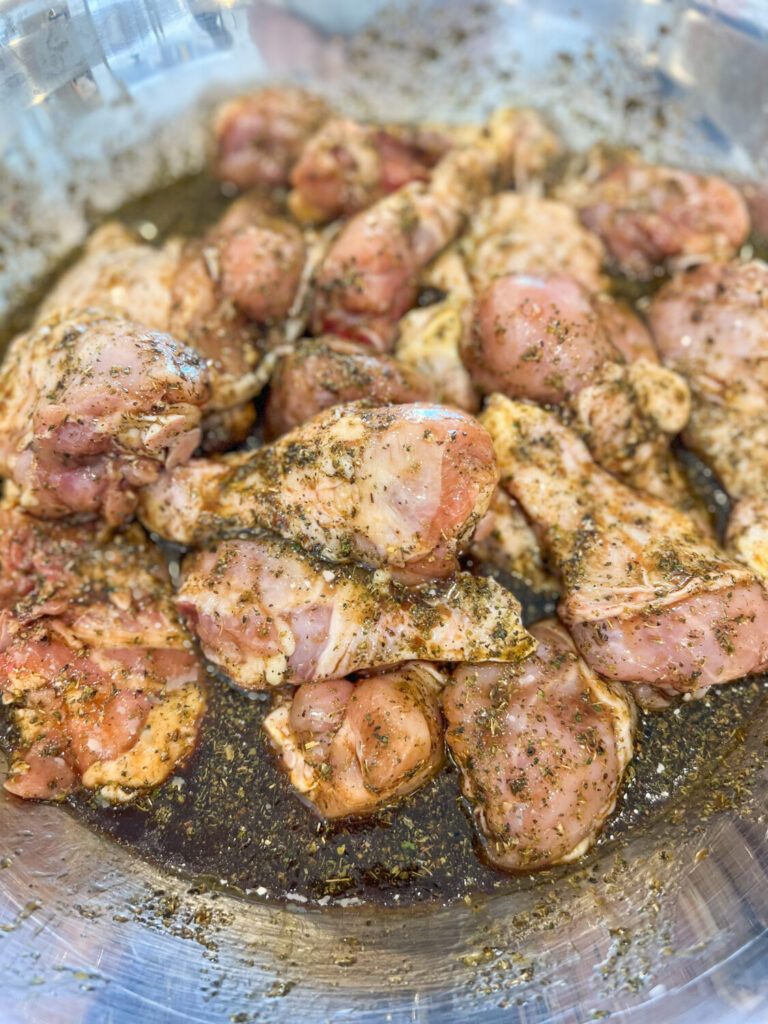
<point>91,408</point>
<point>351,748</point>
<point>267,615</point>
<point>711,325</point>
<point>542,746</point>
<point>541,339</point>
<point>647,596</point>
<point>105,687</point>
<point>400,487</point>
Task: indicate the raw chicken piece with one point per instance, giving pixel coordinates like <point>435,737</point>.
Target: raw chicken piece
<point>540,339</point>
<point>346,166</point>
<point>542,746</point>
<point>91,408</point>
<point>103,682</point>
<point>267,614</point>
<point>209,293</point>
<point>430,339</point>
<point>651,216</point>
<point>259,137</point>
<point>321,373</point>
<point>625,329</point>
<point>370,276</point>
<point>400,487</point>
<point>352,748</point>
<point>711,325</point>
<point>511,233</point>
<point>647,597</point>
<point>504,538</point>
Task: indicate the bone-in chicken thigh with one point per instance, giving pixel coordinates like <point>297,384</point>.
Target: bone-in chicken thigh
<point>267,615</point>
<point>400,487</point>
<point>351,748</point>
<point>91,408</point>
<point>647,597</point>
<point>711,325</point>
<point>542,746</point>
<point>103,682</point>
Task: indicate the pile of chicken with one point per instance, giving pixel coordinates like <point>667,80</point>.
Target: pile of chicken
<point>446,374</point>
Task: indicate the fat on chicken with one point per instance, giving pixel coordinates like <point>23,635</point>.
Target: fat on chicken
<point>510,233</point>
<point>91,408</point>
<point>648,598</point>
<point>103,683</point>
<point>542,746</point>
<point>268,614</point>
<point>352,748</point>
<point>400,487</point>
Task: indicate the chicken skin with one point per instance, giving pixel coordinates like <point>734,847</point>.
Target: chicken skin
<point>104,686</point>
<point>400,487</point>
<point>320,373</point>
<point>370,275</point>
<point>91,408</point>
<point>542,746</point>
<point>711,325</point>
<point>651,216</point>
<point>259,137</point>
<point>352,748</point>
<point>511,233</point>
<point>540,339</point>
<point>267,614</point>
<point>647,597</point>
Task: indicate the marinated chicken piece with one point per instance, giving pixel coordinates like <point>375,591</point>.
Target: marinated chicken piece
<point>651,216</point>
<point>430,339</point>
<point>511,233</point>
<point>647,597</point>
<point>626,330</point>
<point>400,487</point>
<point>267,614</point>
<point>346,166</point>
<point>542,746</point>
<point>91,408</point>
<point>369,278</point>
<point>540,339</point>
<point>260,137</point>
<point>209,293</point>
<point>711,325</point>
<point>505,539</point>
<point>352,748</point>
<point>320,373</point>
<point>121,274</point>
<point>103,683</point>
